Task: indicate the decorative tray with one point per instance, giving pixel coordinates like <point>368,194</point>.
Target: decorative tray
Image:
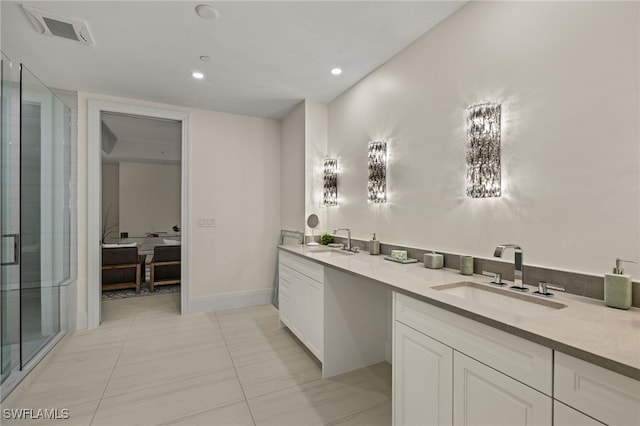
<point>409,260</point>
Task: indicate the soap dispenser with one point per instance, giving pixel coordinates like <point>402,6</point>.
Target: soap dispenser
<point>374,245</point>
<point>617,287</point>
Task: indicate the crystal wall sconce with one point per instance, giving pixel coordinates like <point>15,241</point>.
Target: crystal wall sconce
<point>330,179</point>
<point>483,150</point>
<point>377,188</point>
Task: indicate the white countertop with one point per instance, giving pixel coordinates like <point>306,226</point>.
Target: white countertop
<point>586,328</point>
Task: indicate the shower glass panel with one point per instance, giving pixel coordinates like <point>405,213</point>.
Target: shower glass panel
<point>44,232</point>
<point>35,219</point>
<point>9,218</point>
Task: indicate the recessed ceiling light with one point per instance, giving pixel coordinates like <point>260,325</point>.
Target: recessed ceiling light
<point>205,58</point>
<point>207,12</point>
<point>336,71</point>
<point>197,75</point>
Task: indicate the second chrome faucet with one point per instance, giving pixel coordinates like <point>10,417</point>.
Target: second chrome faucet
<point>517,272</point>
<point>348,247</point>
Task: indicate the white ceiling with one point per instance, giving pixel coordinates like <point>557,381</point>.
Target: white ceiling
<point>140,139</point>
<point>266,55</point>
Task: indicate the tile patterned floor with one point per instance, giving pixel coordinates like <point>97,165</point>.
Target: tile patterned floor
<point>147,365</point>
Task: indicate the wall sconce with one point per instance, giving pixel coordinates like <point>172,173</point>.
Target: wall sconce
<point>330,178</point>
<point>483,150</point>
<point>377,188</point>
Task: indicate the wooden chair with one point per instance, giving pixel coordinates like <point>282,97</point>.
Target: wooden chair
<point>122,267</point>
<point>165,266</point>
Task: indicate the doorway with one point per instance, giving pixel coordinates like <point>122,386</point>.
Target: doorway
<point>141,184</point>
<point>98,110</point>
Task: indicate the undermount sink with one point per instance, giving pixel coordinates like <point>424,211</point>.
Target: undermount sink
<point>502,299</point>
<point>328,250</point>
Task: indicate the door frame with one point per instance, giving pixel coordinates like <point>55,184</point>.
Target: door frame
<point>94,191</point>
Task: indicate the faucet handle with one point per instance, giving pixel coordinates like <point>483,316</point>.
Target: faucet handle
<point>497,278</point>
<point>544,287</point>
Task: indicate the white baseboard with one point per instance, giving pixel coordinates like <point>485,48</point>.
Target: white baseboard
<point>69,306</point>
<point>81,322</point>
<point>240,299</point>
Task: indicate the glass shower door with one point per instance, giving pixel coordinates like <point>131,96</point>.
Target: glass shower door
<point>9,218</point>
<point>35,216</point>
<point>42,140</point>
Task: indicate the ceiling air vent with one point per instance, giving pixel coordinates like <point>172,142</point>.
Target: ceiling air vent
<point>52,24</point>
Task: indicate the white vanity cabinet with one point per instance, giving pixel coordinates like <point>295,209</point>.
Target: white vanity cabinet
<point>285,288</point>
<point>491,377</point>
<point>484,396</point>
<point>301,300</point>
<point>422,385</point>
<point>567,416</point>
<point>602,394</point>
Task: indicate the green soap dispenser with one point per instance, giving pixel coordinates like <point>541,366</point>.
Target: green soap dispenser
<point>617,287</point>
<point>374,245</point>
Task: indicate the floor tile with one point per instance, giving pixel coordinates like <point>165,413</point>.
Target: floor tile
<point>229,316</point>
<point>231,415</point>
<point>146,364</point>
<point>318,402</point>
<point>212,317</point>
<point>250,328</point>
<point>170,401</point>
<point>82,362</point>
<point>53,390</point>
<point>380,375</point>
<point>85,339</point>
<point>376,416</point>
<point>147,349</point>
<point>263,377</point>
<point>263,348</point>
<point>163,370</point>
<point>144,328</point>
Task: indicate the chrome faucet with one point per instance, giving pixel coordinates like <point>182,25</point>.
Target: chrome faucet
<point>517,273</point>
<point>348,247</point>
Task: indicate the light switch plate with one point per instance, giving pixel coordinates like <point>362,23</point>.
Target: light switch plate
<point>206,222</point>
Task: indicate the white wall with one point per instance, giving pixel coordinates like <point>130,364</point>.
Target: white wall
<point>234,177</point>
<point>566,74</point>
<point>316,133</point>
<point>292,170</point>
<point>111,198</point>
<point>149,197</point>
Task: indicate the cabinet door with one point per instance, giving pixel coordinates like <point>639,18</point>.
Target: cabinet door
<point>422,379</point>
<point>284,301</point>
<point>314,321</point>
<point>603,394</point>
<point>567,416</point>
<point>297,317</point>
<point>484,396</point>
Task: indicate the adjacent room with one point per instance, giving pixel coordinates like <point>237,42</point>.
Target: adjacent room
<point>141,205</point>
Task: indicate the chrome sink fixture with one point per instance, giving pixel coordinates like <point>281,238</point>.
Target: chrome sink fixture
<point>517,273</point>
<point>348,246</point>
<point>496,298</point>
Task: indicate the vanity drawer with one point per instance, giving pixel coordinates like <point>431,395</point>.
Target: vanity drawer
<point>528,362</point>
<point>603,394</point>
<point>313,270</point>
<point>285,272</point>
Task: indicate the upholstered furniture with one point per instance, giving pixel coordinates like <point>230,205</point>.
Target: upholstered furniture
<point>122,267</point>
<point>165,266</point>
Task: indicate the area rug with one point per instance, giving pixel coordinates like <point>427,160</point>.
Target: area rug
<point>144,291</point>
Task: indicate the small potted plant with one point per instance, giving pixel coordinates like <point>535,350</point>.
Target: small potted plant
<point>326,238</point>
